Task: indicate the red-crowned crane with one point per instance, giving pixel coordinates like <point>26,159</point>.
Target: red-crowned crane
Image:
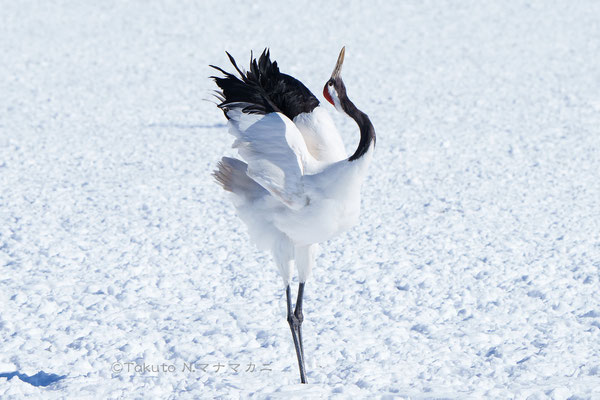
<point>296,186</point>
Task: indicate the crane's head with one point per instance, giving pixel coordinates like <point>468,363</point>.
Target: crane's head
<point>335,89</point>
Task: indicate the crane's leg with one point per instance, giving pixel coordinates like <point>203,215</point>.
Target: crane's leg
<point>283,253</point>
<point>299,315</point>
<point>305,260</point>
<point>295,324</point>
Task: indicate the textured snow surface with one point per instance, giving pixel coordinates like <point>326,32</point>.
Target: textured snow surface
<point>474,272</point>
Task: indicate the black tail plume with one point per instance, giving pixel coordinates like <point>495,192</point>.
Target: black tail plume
<point>263,89</point>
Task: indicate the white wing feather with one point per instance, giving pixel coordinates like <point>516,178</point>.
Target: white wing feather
<point>275,152</point>
<point>321,136</point>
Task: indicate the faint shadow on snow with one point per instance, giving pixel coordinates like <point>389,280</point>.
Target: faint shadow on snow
<point>40,379</point>
<point>423,329</point>
<point>178,125</point>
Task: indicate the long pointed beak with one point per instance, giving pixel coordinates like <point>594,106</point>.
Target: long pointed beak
<point>338,66</point>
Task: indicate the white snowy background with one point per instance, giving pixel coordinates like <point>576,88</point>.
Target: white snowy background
<point>474,272</point>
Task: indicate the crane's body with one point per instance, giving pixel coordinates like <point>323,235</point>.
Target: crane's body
<point>296,186</point>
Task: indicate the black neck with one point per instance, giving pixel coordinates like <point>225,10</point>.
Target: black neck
<point>367,132</point>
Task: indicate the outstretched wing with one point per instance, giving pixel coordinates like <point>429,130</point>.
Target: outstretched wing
<point>275,152</point>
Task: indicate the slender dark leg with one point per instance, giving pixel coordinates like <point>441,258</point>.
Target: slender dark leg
<point>300,316</point>
<point>295,328</point>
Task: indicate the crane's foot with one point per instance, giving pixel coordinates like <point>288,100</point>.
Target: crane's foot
<point>295,320</point>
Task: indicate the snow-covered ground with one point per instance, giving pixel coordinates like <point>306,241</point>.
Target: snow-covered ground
<point>474,272</point>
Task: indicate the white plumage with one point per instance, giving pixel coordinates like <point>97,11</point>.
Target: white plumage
<point>296,186</point>
<point>307,199</point>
